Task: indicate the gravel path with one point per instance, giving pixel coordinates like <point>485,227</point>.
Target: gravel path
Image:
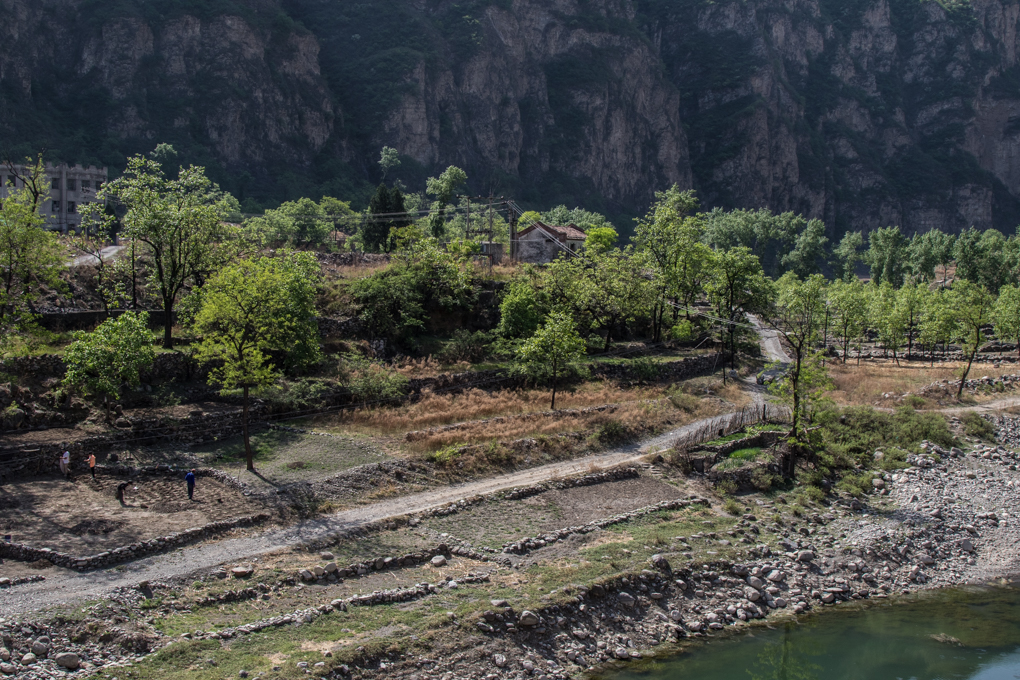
<point>67,587</point>
<point>770,341</point>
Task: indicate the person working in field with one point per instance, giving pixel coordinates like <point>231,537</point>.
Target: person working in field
<point>65,464</point>
<point>190,479</point>
<point>92,465</point>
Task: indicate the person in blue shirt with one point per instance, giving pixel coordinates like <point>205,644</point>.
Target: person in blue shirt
<point>190,479</point>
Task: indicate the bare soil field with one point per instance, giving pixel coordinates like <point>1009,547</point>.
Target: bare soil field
<point>84,517</point>
<point>493,523</point>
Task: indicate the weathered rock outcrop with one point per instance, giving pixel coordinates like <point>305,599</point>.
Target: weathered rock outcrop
<point>865,114</point>
<point>242,88</point>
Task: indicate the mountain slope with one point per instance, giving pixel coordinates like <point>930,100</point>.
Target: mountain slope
<point>861,112</point>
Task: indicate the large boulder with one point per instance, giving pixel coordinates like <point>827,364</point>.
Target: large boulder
<point>68,660</point>
<point>529,618</point>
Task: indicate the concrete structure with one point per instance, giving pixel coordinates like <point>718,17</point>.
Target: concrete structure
<point>69,188</point>
<point>540,242</point>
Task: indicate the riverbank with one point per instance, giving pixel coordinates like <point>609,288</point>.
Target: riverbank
<point>601,590</point>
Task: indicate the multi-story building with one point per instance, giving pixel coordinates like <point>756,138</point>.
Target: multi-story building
<point>70,187</point>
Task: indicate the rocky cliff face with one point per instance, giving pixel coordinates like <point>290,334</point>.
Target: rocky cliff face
<point>230,90</point>
<point>865,113</point>
<point>862,112</point>
<point>544,99</point>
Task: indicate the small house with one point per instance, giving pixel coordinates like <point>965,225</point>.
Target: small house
<point>540,243</point>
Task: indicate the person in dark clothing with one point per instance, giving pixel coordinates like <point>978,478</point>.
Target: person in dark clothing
<point>121,488</point>
<point>190,479</point>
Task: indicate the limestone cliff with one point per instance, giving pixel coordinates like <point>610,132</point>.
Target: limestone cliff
<point>861,112</point>
<point>234,90</point>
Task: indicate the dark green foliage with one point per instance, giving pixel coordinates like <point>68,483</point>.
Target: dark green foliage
<point>850,438</point>
<point>403,301</point>
<point>976,426</point>
<point>466,346</point>
<point>385,202</point>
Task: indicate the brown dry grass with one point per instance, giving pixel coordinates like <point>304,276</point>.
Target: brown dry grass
<point>427,367</point>
<point>640,416</point>
<point>865,384</point>
<point>443,409</point>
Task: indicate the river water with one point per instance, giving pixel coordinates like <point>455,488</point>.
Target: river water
<point>971,633</point>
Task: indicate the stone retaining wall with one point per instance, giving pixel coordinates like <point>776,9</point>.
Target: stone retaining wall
<point>26,553</point>
<point>528,544</point>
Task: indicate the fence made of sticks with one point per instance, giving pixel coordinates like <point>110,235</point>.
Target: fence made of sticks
<point>721,426</point>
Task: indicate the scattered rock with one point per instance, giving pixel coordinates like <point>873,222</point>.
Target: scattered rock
<point>529,618</point>
<point>438,561</point>
<point>68,660</point>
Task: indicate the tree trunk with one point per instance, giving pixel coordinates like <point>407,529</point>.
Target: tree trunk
<point>168,324</point>
<point>555,376</point>
<point>970,360</point>
<point>733,346</point>
<point>248,454</point>
<point>134,278</point>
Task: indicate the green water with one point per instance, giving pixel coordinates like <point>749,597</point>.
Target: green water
<point>881,641</point>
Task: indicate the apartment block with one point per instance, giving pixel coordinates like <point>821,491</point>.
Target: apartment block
<point>70,187</point>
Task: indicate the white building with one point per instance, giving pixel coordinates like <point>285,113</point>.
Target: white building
<point>70,187</point>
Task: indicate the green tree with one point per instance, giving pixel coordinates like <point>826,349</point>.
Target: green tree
<point>911,301</point>
<point>798,314</point>
<point>250,309</point>
<point>929,250</point>
<point>770,237</point>
<point>886,318</point>
<point>604,288</point>
<point>396,303</point>
<point>986,258</point>
<point>848,300</point>
<point>600,239</point>
<point>886,256</point>
<point>30,256</point>
<point>972,305</point>
<point>383,210</point>
<point>337,212</point>
<point>808,250</point>
<point>523,306</point>
<point>178,220</point>
<point>672,238</point>
<point>114,354</point>
<point>938,323</point>
<point>1007,314</point>
<point>300,222</point>
<point>443,189</point>
<point>847,254</point>
<point>737,285</point>
<point>554,348</point>
<point>389,159</point>
<point>584,220</point>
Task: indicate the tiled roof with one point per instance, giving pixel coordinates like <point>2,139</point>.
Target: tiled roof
<point>569,232</point>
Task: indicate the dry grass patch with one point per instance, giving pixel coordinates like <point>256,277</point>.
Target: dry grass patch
<point>635,416</point>
<point>443,409</point>
<point>865,384</point>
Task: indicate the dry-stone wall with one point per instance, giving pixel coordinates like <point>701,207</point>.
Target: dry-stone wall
<point>26,553</point>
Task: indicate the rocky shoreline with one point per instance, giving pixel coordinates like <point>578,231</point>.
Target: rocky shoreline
<point>943,521</point>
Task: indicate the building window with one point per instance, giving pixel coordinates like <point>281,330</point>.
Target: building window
<point>71,208</point>
<point>70,185</point>
<point>55,183</point>
<point>12,181</point>
<point>56,206</point>
<point>85,186</point>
